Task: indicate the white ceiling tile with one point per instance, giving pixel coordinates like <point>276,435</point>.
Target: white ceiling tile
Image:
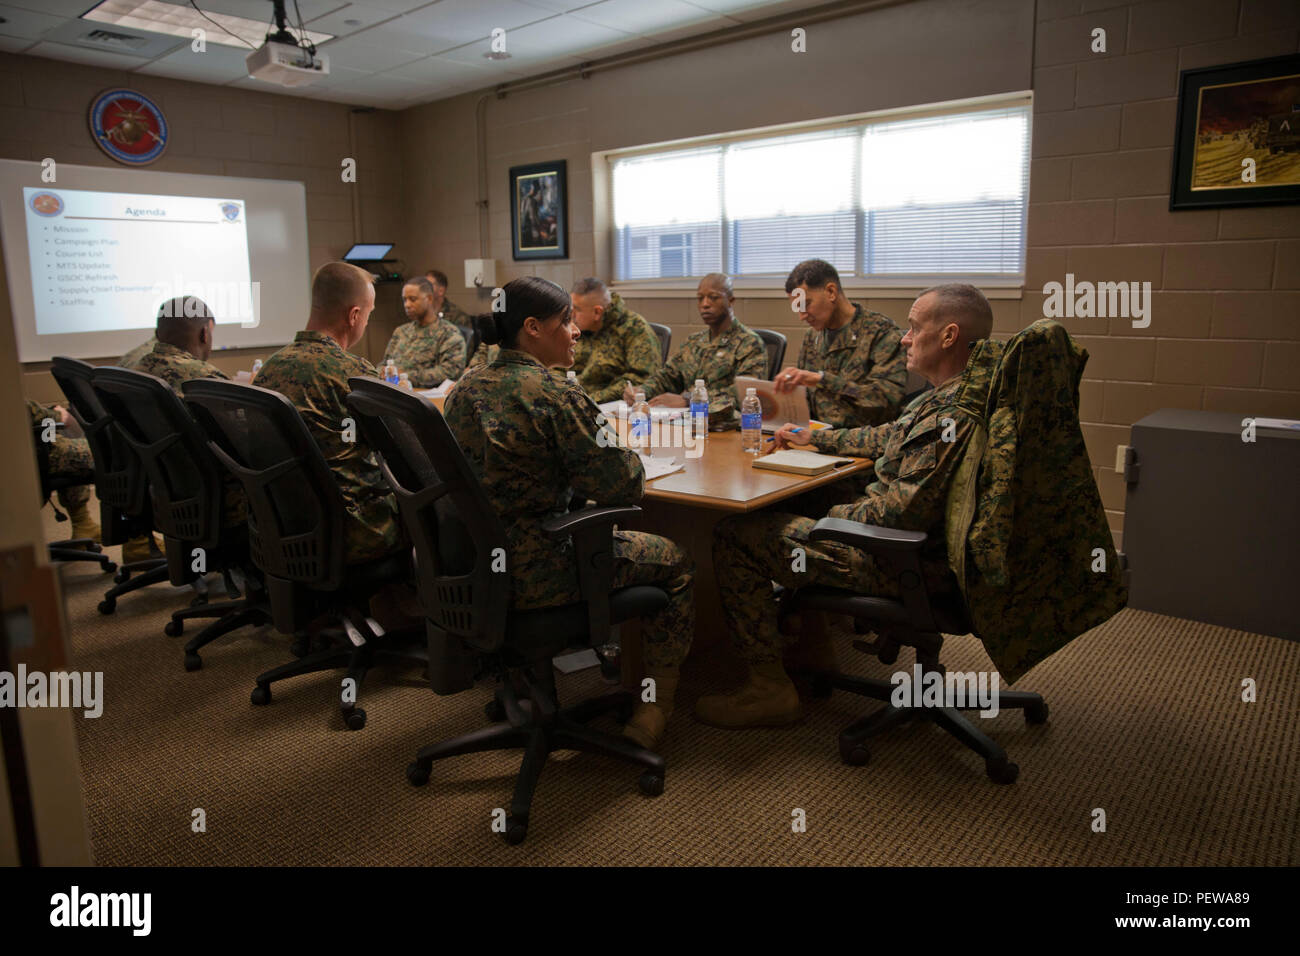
<point>400,6</point>
<point>558,36</point>
<point>75,54</point>
<point>14,44</point>
<point>217,64</point>
<point>260,10</point>
<point>637,16</point>
<point>453,23</point>
<point>371,52</point>
<point>560,6</point>
<point>749,12</point>
<point>739,6</point>
<point>57,8</point>
<point>367,14</point>
<point>438,70</point>
<point>26,23</point>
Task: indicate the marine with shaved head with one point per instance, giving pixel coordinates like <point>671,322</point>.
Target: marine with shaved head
<point>915,456</point>
<point>312,371</point>
<point>719,352</point>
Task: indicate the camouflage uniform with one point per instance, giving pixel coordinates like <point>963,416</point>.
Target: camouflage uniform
<point>532,442</point>
<point>429,354</point>
<point>132,358</point>
<point>312,372</point>
<point>625,349</point>
<point>69,457</point>
<point>174,365</point>
<point>914,467</point>
<point>483,355</point>
<point>737,351</point>
<point>865,368</point>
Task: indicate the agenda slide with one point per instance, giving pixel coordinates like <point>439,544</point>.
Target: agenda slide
<point>103,261</point>
<point>91,253</point>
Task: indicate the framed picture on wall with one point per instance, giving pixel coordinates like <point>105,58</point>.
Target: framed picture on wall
<point>539,218</point>
<point>1238,135</point>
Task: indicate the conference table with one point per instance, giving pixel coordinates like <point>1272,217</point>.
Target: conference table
<point>685,505</point>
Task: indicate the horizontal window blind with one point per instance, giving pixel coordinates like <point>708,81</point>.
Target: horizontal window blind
<point>909,197</point>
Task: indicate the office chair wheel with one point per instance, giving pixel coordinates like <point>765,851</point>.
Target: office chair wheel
<point>174,628</point>
<point>108,605</point>
<point>516,830</point>
<point>109,566</point>
<point>1001,770</point>
<point>416,774</point>
<point>651,783</point>
<point>192,661</point>
<point>1036,713</point>
<point>495,711</point>
<point>261,696</point>
<point>355,718</point>
<point>853,753</point>
<point>122,576</point>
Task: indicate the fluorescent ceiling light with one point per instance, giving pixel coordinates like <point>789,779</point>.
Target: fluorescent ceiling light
<point>158,17</point>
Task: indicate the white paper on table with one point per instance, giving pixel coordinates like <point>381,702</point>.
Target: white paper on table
<point>658,467</point>
<point>1290,424</point>
<point>778,407</point>
<point>440,392</point>
<point>620,409</point>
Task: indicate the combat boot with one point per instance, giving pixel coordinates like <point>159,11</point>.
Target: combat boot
<point>646,726</point>
<point>768,699</point>
<point>138,549</point>
<point>83,524</point>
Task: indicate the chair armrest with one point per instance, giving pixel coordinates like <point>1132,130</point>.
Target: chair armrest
<point>562,526</point>
<point>873,539</point>
<point>593,545</point>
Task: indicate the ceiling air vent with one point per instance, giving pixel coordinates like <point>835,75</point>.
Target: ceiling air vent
<point>108,40</point>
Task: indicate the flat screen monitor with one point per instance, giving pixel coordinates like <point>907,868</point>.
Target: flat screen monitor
<point>368,252</point>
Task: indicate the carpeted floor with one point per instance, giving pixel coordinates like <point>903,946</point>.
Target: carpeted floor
<point>1147,724</point>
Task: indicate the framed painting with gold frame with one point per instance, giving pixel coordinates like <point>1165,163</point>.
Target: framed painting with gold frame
<point>1238,135</point>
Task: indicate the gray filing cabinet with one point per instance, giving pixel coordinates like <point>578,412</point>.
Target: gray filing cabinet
<point>1212,523</point>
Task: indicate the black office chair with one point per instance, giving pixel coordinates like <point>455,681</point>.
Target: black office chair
<point>69,549</point>
<point>915,619</point>
<point>119,481</point>
<point>187,493</point>
<point>774,342</point>
<point>665,336</point>
<point>467,604</point>
<point>296,534</point>
<point>470,332</point>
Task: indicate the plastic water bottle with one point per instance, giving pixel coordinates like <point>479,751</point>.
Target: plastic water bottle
<point>699,409</point>
<point>638,423</point>
<point>257,367</point>
<point>390,374</point>
<point>404,381</point>
<point>751,422</point>
<point>571,376</point>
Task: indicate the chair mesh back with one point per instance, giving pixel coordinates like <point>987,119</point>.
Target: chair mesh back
<point>184,479</point>
<point>774,342</point>
<point>471,338</point>
<point>296,513</point>
<point>455,530</point>
<point>119,475</point>
<point>665,336</point>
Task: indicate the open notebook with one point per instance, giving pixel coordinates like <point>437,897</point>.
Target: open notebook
<point>798,462</point>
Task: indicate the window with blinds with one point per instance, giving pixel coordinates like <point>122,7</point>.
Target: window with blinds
<point>908,197</point>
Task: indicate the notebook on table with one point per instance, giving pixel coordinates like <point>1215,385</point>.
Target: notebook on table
<point>796,462</point>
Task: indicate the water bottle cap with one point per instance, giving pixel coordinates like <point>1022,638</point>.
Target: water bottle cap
<point>699,383</point>
<point>751,391</point>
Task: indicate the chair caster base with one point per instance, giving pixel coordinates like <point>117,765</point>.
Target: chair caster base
<point>122,576</point>
<point>174,628</point>
<point>355,718</point>
<point>651,783</point>
<point>853,753</point>
<point>107,606</point>
<point>417,775</point>
<point>1036,714</point>
<point>261,696</point>
<point>1001,770</point>
<point>193,662</point>
<point>516,830</point>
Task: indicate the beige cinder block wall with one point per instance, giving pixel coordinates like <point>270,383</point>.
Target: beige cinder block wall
<point>1225,330</point>
<point>218,131</point>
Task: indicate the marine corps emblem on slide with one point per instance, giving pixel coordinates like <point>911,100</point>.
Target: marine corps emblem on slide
<point>231,211</point>
<point>47,204</point>
<point>128,126</point>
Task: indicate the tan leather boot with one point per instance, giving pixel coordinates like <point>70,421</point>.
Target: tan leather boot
<point>137,549</point>
<point>646,726</point>
<point>83,523</point>
<point>768,699</point>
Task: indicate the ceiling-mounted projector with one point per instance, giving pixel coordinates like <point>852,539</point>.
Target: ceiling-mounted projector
<point>283,59</point>
<point>287,64</point>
